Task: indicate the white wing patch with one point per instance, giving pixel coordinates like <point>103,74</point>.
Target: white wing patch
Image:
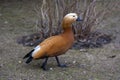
<point>36,49</point>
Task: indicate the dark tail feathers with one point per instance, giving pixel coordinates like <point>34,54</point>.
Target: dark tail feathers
<point>29,60</point>
<point>29,56</point>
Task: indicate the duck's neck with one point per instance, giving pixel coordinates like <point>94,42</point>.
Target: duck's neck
<point>68,30</point>
<point>68,33</point>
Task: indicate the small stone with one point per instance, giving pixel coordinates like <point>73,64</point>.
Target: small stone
<point>84,72</point>
<point>83,50</point>
<point>51,68</point>
<point>83,40</point>
<point>65,61</point>
<point>19,61</point>
<point>6,22</point>
<point>74,62</point>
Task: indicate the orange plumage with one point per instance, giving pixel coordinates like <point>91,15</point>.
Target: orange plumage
<point>55,45</point>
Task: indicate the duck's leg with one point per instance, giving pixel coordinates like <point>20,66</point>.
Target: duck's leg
<point>44,64</point>
<point>58,62</point>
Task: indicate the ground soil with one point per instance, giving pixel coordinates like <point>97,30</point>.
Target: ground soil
<point>18,19</point>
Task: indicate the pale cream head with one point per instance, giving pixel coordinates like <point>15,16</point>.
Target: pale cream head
<point>71,17</point>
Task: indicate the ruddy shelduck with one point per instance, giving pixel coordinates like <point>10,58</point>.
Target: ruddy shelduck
<point>55,45</point>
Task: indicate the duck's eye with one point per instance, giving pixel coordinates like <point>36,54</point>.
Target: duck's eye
<point>73,16</point>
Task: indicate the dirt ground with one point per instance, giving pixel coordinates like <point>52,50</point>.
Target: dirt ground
<point>18,19</point>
